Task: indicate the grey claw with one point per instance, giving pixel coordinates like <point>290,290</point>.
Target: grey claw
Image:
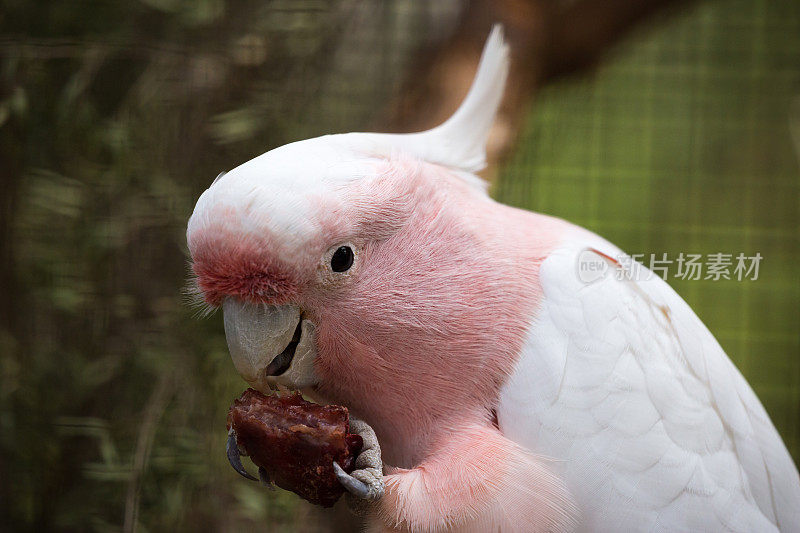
<point>353,486</point>
<point>232,450</point>
<point>264,477</point>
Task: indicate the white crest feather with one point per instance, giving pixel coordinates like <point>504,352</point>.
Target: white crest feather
<point>460,142</point>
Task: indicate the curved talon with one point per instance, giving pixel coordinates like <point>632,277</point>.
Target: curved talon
<point>353,486</point>
<point>232,450</point>
<point>264,477</point>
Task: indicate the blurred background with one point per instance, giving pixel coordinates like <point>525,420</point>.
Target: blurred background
<point>664,126</point>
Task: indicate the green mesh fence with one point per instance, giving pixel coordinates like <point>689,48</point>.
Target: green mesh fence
<point>682,143</point>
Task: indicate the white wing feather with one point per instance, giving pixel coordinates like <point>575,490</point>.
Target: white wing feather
<point>654,427</point>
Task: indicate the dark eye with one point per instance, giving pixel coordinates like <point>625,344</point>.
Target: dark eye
<point>342,259</point>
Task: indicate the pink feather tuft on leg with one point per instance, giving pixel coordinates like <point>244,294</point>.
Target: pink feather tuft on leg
<point>476,481</point>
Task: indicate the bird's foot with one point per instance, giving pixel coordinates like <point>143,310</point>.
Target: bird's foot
<point>365,484</point>
<point>234,456</point>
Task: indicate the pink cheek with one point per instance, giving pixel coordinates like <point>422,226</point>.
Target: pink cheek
<point>325,308</point>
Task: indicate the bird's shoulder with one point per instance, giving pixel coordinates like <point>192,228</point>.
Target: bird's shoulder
<point>656,426</point>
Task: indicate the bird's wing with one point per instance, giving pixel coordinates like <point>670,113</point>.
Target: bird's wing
<point>651,424</point>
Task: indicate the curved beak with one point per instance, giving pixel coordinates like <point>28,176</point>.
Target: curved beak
<point>270,344</point>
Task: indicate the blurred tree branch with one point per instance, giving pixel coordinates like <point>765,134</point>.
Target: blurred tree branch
<point>583,31</point>
<point>549,40</point>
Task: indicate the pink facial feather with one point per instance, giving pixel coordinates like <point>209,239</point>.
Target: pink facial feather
<point>244,270</point>
<point>431,324</point>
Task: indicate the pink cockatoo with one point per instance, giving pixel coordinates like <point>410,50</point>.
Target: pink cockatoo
<point>496,387</point>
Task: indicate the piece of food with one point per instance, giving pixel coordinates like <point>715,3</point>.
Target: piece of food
<point>295,442</point>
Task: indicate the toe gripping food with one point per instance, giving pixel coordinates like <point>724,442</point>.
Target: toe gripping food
<point>294,442</point>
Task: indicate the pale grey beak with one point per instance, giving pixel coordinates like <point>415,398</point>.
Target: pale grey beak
<point>270,344</point>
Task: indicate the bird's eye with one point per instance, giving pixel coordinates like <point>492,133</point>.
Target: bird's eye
<point>342,259</point>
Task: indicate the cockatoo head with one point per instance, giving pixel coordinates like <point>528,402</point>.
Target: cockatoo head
<point>356,265</point>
